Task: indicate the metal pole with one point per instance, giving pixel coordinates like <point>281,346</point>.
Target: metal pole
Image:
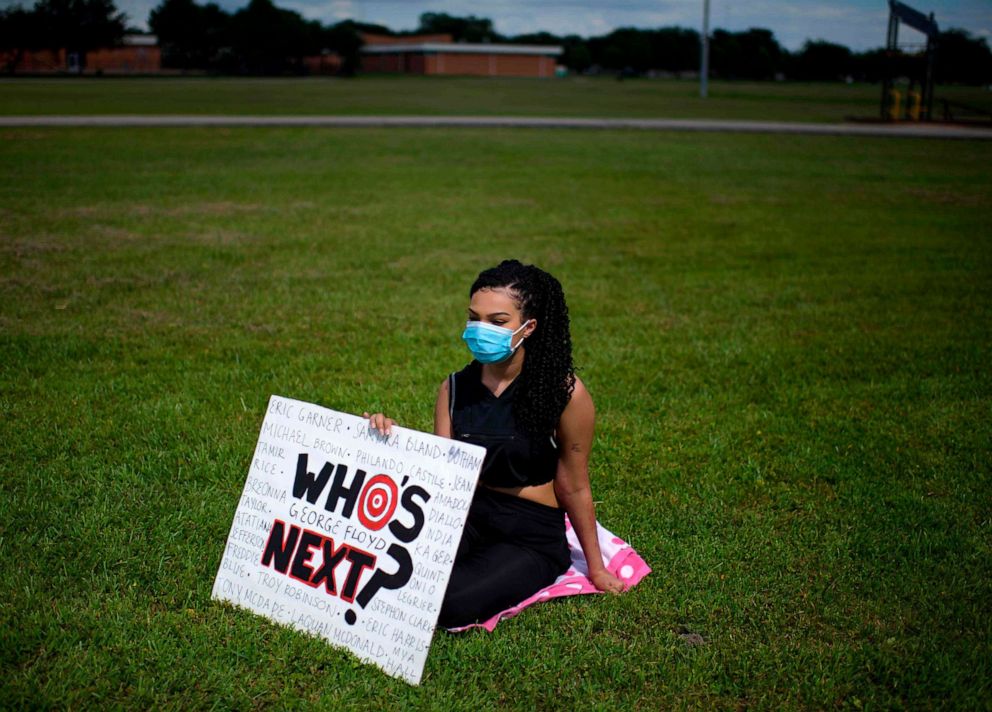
<point>931,51</point>
<point>704,70</point>
<point>891,49</point>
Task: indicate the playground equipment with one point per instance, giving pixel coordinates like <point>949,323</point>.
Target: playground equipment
<point>890,110</point>
<point>955,111</point>
<point>913,101</point>
<point>919,104</point>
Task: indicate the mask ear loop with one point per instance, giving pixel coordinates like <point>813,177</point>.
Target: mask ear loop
<point>512,347</point>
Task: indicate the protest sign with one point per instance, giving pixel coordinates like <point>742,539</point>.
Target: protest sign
<point>348,534</point>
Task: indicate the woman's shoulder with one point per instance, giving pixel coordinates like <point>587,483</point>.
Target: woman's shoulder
<point>579,413</point>
<point>580,395</point>
<point>468,372</point>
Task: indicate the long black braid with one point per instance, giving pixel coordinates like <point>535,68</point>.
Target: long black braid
<point>548,375</point>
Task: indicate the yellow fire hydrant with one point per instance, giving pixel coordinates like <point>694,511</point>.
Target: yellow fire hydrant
<point>892,107</point>
<point>913,102</point>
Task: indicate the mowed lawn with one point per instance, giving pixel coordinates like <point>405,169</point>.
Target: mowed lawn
<point>787,340</point>
<point>370,94</point>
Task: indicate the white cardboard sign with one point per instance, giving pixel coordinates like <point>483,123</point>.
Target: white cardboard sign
<point>348,534</point>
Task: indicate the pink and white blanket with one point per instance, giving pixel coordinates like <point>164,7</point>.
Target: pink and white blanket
<point>619,557</point>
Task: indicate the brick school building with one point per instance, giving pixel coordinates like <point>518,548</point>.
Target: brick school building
<point>138,54</point>
<point>438,54</point>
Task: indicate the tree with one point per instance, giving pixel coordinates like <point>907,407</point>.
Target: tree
<point>675,49</point>
<point>625,47</point>
<point>575,53</point>
<point>80,25</point>
<point>622,48</point>
<point>535,38</point>
<point>462,29</point>
<point>259,39</point>
<point>754,54</point>
<point>822,60</point>
<point>20,30</point>
<point>190,36</point>
<point>963,58</point>
<point>876,64</point>
<point>344,39</point>
<point>761,54</point>
<point>269,40</point>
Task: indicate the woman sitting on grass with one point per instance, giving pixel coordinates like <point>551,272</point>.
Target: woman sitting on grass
<point>521,400</point>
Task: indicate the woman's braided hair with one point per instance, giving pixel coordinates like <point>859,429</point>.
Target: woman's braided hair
<point>548,375</point>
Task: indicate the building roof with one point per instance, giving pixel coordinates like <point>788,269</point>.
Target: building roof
<point>370,38</point>
<point>141,40</point>
<point>464,47</point>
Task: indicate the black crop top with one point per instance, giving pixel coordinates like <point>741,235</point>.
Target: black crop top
<point>513,458</point>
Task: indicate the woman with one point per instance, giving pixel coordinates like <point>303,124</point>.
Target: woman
<point>521,400</point>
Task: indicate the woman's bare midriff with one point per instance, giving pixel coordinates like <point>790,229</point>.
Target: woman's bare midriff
<point>542,494</point>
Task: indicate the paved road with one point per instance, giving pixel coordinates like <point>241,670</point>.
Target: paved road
<point>846,129</point>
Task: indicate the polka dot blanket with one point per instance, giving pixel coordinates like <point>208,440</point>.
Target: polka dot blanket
<point>619,557</point>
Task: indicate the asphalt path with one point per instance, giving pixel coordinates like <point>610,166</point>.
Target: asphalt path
<point>897,130</point>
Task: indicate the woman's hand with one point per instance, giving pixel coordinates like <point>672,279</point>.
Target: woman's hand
<point>605,581</point>
<point>377,421</point>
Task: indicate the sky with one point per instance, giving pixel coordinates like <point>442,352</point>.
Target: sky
<point>858,24</point>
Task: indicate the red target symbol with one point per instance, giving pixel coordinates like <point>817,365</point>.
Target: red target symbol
<point>378,502</point>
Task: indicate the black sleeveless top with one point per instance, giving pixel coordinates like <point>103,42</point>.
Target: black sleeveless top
<point>513,457</point>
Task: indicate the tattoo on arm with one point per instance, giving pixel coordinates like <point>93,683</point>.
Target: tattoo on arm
<point>575,447</point>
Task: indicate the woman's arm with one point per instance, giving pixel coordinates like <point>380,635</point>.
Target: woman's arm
<point>442,419</point>
<point>575,431</point>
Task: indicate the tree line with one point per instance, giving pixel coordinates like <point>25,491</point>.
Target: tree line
<point>263,39</point>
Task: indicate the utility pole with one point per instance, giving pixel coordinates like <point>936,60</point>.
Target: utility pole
<point>704,71</point>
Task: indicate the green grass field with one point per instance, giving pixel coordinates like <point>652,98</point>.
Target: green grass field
<point>787,340</point>
<point>431,96</point>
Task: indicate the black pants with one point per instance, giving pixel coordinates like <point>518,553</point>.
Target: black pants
<point>510,549</point>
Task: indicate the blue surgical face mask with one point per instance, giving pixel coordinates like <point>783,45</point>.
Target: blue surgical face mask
<point>490,343</point>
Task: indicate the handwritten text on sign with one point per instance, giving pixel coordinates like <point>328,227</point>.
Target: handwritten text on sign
<point>349,534</point>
